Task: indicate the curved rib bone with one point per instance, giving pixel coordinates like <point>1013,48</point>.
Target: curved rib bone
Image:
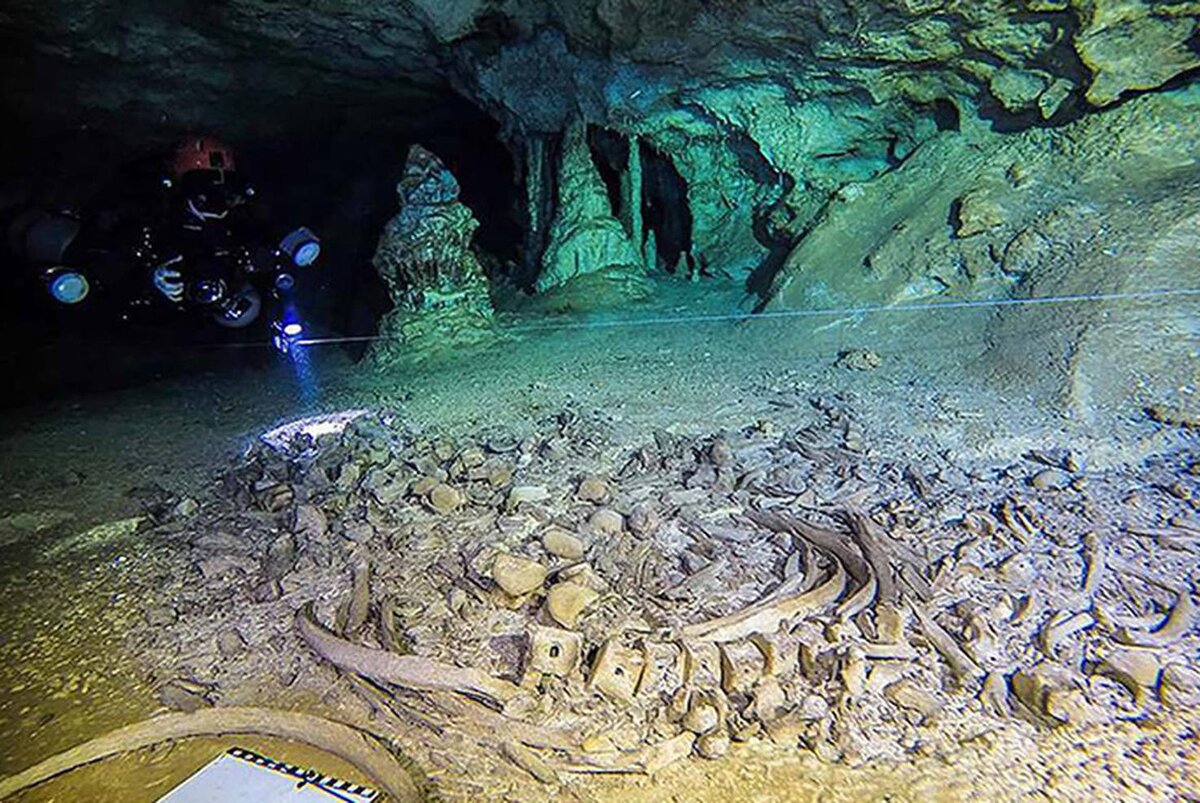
<point>766,615</point>
<point>367,755</point>
<point>412,671</point>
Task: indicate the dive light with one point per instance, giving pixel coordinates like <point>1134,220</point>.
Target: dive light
<point>66,286</point>
<point>302,246</point>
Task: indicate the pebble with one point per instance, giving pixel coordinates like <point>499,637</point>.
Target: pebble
<point>1051,479</point>
<point>281,557</point>
<point>562,544</point>
<point>712,745</point>
<point>517,576</point>
<point>230,643</point>
<point>606,521</point>
<point>566,602</point>
<point>526,493</point>
<point>594,489</point>
<point>445,498</point>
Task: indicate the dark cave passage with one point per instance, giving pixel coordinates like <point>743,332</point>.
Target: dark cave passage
<point>610,152</point>
<point>665,208</point>
<point>337,176</point>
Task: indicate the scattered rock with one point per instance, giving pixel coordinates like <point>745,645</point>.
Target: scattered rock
<point>712,745</point>
<point>230,643</point>
<point>184,696</point>
<point>977,212</point>
<point>606,521</point>
<point>566,602</point>
<point>517,576</point>
<point>643,519</point>
<point>445,498</point>
<point>1051,479</point>
<point>562,544</point>
<point>594,489</point>
<point>219,566</point>
<point>526,493</point>
<point>858,360</point>
<point>280,558</point>
<point>1017,90</point>
<point>185,508</point>
<point>310,523</point>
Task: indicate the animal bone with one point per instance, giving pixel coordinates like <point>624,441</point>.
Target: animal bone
<point>994,694</point>
<point>1174,627</point>
<point>860,600</point>
<point>962,664</point>
<point>701,664</point>
<point>352,615</point>
<point>830,541</point>
<point>649,760</point>
<point>766,615</point>
<point>1062,625</point>
<point>359,748</point>
<point>1097,554</point>
<point>1138,670</point>
<point>553,651</point>
<point>1017,521</point>
<point>742,666</point>
<point>531,762</point>
<point>617,671</point>
<point>411,671</point>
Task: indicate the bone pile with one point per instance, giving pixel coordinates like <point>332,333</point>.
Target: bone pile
<point>579,600</point>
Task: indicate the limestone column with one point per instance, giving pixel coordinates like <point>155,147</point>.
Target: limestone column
<point>631,194</point>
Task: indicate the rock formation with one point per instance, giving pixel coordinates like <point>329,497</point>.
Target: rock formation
<point>820,147</point>
<point>584,235</point>
<point>425,257</point>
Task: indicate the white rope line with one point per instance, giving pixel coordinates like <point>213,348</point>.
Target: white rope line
<point>1145,295</point>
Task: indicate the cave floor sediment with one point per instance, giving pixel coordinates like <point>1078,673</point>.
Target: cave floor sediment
<point>67,674</point>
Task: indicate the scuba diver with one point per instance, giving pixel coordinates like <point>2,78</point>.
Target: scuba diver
<point>207,251</point>
<point>199,247</point>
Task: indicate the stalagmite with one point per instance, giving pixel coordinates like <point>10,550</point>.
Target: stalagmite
<point>631,194</point>
<point>584,235</point>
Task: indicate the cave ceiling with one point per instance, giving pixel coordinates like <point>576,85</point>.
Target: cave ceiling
<point>252,67</point>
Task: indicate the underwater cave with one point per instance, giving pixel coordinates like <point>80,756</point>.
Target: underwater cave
<point>536,401</point>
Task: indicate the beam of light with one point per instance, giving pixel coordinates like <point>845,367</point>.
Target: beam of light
<point>280,436</point>
<point>306,377</point>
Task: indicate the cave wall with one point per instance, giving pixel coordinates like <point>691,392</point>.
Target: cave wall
<point>768,109</point>
<point>784,120</point>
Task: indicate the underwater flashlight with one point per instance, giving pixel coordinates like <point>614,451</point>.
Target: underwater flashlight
<point>302,246</point>
<point>67,286</point>
<point>286,331</point>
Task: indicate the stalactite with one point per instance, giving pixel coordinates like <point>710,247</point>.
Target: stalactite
<point>631,194</point>
<point>535,199</point>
